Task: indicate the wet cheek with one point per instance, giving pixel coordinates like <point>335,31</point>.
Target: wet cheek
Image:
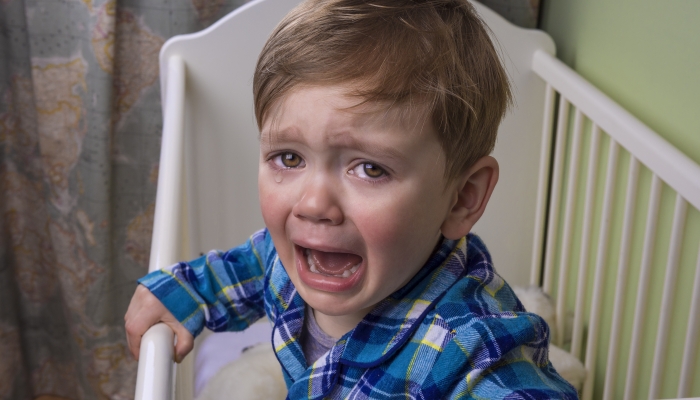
<point>275,213</point>
<point>271,211</point>
<point>274,202</point>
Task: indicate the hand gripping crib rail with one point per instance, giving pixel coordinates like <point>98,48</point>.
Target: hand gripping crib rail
<point>207,198</point>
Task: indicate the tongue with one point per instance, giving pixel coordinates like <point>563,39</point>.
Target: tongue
<point>334,263</point>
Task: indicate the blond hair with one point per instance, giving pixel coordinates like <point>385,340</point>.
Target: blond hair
<point>436,53</point>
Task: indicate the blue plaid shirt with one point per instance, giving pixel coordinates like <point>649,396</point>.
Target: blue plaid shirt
<point>456,330</point>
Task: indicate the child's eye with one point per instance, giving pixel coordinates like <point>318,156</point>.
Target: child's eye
<point>288,160</point>
<point>368,171</point>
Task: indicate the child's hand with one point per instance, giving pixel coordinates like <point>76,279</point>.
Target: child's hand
<point>145,310</point>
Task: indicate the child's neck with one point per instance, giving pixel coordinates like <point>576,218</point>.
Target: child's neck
<point>338,325</point>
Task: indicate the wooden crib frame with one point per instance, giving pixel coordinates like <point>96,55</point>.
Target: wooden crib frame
<point>538,142</point>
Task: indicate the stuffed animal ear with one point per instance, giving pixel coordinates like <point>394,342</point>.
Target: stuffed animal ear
<point>472,192</point>
<point>568,366</point>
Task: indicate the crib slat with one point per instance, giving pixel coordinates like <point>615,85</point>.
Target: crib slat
<point>622,272</point>
<point>542,184</point>
<point>668,295</point>
<point>568,226</point>
<point>691,337</point>
<point>585,242</point>
<point>553,220</point>
<point>600,267</point>
<point>642,287</point>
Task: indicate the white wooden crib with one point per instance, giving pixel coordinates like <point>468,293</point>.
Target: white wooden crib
<point>584,208</point>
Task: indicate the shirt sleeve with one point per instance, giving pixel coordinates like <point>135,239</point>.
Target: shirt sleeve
<point>220,290</point>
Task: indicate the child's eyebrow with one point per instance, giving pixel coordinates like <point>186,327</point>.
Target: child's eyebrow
<point>374,148</point>
<point>269,137</point>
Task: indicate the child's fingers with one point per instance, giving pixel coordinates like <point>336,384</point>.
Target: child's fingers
<point>133,337</point>
<point>134,346</point>
<point>185,341</point>
<point>145,310</point>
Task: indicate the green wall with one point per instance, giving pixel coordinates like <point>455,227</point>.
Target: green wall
<point>645,54</point>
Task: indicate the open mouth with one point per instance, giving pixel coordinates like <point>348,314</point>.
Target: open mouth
<point>340,265</point>
<point>329,271</point>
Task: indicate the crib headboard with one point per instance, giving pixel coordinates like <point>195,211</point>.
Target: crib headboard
<point>207,198</point>
<point>510,212</point>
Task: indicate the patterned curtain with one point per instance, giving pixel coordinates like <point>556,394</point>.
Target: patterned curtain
<point>80,126</point>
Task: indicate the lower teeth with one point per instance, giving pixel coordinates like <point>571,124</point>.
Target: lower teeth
<point>314,269</point>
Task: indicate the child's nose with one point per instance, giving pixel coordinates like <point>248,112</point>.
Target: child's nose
<point>318,203</point>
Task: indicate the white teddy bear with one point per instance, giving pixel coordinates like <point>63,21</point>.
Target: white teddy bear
<point>537,302</point>
<point>255,375</point>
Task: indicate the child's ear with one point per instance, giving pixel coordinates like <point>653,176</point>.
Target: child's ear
<point>471,192</point>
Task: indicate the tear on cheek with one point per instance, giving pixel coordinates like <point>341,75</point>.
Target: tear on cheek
<point>279,176</point>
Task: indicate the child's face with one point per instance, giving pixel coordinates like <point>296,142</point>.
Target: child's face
<point>358,196</point>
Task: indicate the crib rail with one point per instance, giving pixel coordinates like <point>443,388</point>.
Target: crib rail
<point>589,240</point>
<point>673,167</point>
<point>156,370</point>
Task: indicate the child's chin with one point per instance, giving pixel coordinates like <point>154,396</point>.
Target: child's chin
<point>347,309</point>
<point>338,303</point>
<point>332,310</point>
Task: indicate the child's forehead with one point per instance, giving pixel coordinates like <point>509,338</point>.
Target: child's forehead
<point>345,109</point>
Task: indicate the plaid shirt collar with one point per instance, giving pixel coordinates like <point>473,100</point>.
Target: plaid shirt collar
<point>380,334</point>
